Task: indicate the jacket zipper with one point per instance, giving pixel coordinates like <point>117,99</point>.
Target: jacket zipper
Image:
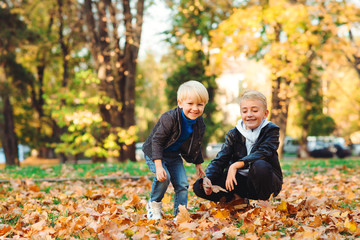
<point>192,138</point>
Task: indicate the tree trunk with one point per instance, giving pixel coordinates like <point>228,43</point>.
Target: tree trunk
<point>8,135</point>
<point>304,153</point>
<point>116,67</point>
<point>131,51</point>
<point>64,84</point>
<point>279,110</point>
<point>37,95</point>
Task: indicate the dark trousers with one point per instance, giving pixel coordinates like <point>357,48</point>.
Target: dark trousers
<point>259,184</point>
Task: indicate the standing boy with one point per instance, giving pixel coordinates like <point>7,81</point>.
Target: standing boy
<point>247,165</point>
<point>178,134</point>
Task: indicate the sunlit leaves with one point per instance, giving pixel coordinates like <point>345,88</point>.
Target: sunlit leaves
<point>83,121</point>
<point>298,41</point>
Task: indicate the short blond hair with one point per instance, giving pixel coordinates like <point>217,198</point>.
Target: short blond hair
<point>194,89</point>
<point>254,95</point>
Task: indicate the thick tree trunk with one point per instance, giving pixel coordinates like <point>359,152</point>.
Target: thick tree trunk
<point>131,51</point>
<point>8,135</point>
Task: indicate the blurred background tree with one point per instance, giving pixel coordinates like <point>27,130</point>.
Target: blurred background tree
<point>291,38</point>
<point>14,78</point>
<point>63,50</point>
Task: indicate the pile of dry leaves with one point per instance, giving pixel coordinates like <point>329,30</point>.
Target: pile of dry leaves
<point>325,205</point>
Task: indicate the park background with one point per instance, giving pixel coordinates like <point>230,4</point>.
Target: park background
<point>89,79</point>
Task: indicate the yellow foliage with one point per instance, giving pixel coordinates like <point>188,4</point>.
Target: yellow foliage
<point>167,198</point>
<point>282,207</point>
<point>350,225</point>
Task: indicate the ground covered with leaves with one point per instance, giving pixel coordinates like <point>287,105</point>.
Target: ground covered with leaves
<point>319,203</point>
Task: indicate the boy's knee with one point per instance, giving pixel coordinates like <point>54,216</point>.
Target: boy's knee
<point>265,196</point>
<point>262,168</point>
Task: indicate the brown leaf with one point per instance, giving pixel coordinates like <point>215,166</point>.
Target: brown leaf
<point>187,226</point>
<point>183,215</point>
<point>39,225</point>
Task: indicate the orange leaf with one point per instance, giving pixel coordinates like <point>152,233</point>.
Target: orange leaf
<point>34,188</point>
<point>317,222</point>
<point>222,214</point>
<point>4,228</point>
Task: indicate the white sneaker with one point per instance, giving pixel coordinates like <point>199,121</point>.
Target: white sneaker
<point>153,210</point>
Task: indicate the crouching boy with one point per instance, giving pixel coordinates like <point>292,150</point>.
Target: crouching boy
<point>247,165</point>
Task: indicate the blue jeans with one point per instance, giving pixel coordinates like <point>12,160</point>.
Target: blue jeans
<point>175,171</point>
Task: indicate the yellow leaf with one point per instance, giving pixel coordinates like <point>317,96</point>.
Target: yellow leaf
<point>166,199</point>
<point>282,207</point>
<point>350,195</point>
<point>128,232</point>
<point>350,225</point>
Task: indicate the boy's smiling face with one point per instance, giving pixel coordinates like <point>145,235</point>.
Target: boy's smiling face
<point>252,113</point>
<point>191,107</point>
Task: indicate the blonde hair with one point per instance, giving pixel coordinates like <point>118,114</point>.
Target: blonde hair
<point>254,95</point>
<point>194,89</point>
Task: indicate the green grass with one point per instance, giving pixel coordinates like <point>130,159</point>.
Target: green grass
<point>141,169</point>
<point>291,165</point>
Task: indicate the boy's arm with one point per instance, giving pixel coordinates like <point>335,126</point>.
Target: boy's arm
<point>199,171</point>
<point>161,136</point>
<point>222,159</point>
<point>266,149</point>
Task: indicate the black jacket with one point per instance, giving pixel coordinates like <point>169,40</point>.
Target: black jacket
<point>167,130</point>
<point>234,149</point>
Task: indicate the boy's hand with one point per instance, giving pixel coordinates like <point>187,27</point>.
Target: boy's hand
<point>207,185</point>
<point>199,171</point>
<point>231,179</point>
<point>160,171</point>
<point>231,176</point>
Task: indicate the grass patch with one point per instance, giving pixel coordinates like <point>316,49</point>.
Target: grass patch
<point>291,165</point>
<point>141,169</point>
<point>10,219</point>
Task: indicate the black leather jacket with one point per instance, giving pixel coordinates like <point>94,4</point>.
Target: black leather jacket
<point>234,149</point>
<point>167,130</point>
